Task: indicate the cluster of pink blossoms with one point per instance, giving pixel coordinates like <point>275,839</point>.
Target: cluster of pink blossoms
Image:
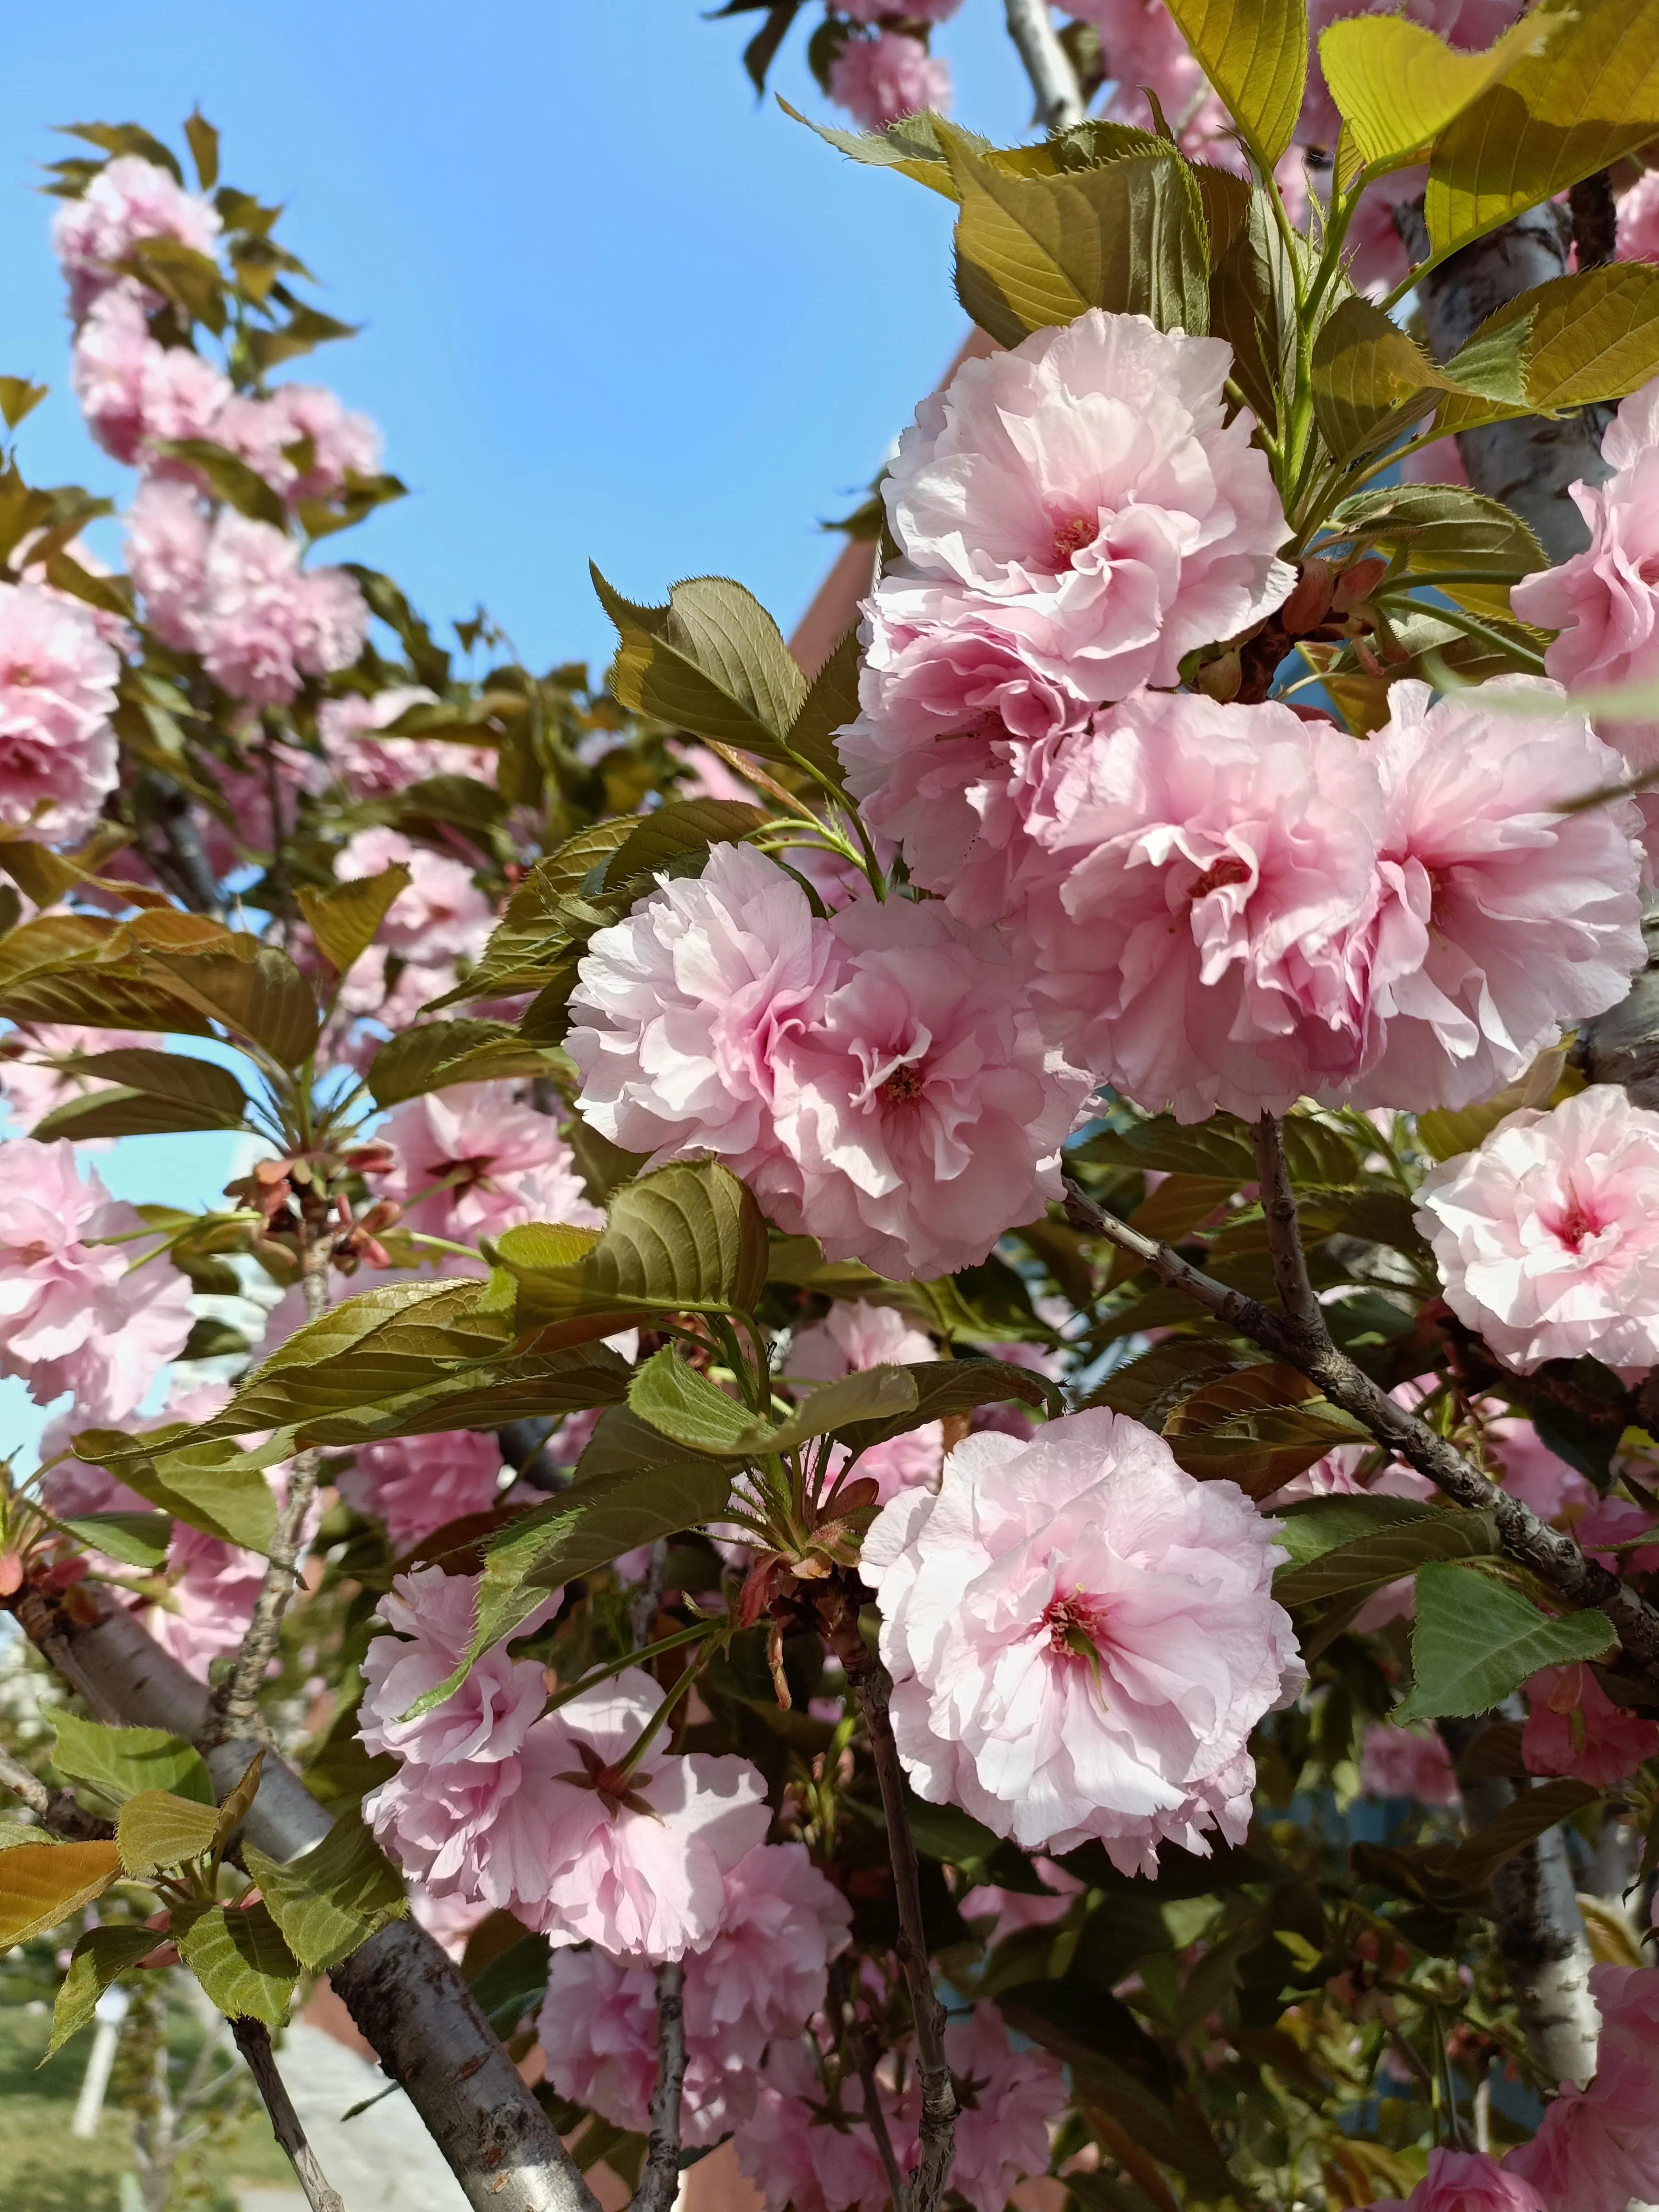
<point>58,759</point>
<point>877,1078</point>
<point>883,71</point>
<point>1224,906</point>
<point>417,1484</point>
<point>1081,1638</point>
<point>852,1336</point>
<point>471,1160</point>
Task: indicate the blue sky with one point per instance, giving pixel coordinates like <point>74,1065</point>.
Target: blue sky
<point>614,308</point>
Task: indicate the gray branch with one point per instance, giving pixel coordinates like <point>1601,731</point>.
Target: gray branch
<point>1059,101</point>
<point>660,2183</point>
<point>403,1991</point>
<point>253,2041</point>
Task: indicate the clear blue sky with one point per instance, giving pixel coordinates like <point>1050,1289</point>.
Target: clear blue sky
<point>614,308</point>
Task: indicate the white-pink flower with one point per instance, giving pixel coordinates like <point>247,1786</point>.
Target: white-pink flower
<point>803,2150</point>
<point>1500,920</point>
<point>1546,1236</point>
<point>131,389</point>
<point>1210,864</point>
<point>417,1483</point>
<point>471,1161</point>
<point>1638,219</point>
<point>1597,2149</point>
<point>766,1971</point>
<point>598,2026</point>
<point>853,1335</point>
<point>967,706</point>
<point>1090,476</point>
<point>442,916</point>
<point>887,75</point>
<point>214,1587</point>
<point>371,766</point>
<point>72,1316</point>
<point>1007,2101</point>
<point>265,432</point>
<point>57,679</point>
<point>1574,1728</point>
<point>636,1856</point>
<point>1470,2181</point>
<point>1081,1638</point>
<point>1405,1762</point>
<point>128,200</point>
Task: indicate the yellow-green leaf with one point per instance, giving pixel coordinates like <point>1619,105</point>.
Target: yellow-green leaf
<point>334,1898</point>
<point>1397,86</point>
<point>1254,53</point>
<point>344,918</point>
<point>96,1960</point>
<point>712,661</point>
<point>41,1884</point>
<point>1370,380</point>
<point>1477,1640</point>
<point>240,1959</point>
<point>155,1830</point>
<point>117,1763</point>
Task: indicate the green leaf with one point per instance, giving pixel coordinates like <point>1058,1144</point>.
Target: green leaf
<point>254,989</point>
<point>241,1961</point>
<point>222,1492</point>
<point>229,477</point>
<point>119,1111</point>
<point>712,661</point>
<point>19,397</point>
<point>156,1829</point>
<point>138,1540</point>
<point>436,1054</point>
<point>1151,1387</point>
<point>1397,86</point>
<point>1570,342</point>
<point>685,1406</point>
<point>832,702</point>
<point>155,1092</point>
<point>944,1386</point>
<point>1311,1527</point>
<point>101,1954</point>
<point>334,1898</point>
<point>586,1527</point>
<point>483,1397</point>
<point>1591,97</point>
<point>345,917</point>
<point>683,826</point>
<point>1388,1554</point>
<point>1032,251</point>
<point>1259,1426</point>
<point>1477,1640</point>
<point>910,145</point>
<point>118,1763</point>
<point>42,1884</point>
<point>1370,380</point>
<point>203,142</point>
<point>1254,53</point>
<point>1435,529</point>
<point>1253,305</point>
<point>686,1237</point>
<point>690,1410</point>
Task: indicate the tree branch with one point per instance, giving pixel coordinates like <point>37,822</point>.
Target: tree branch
<point>872,1685</point>
<point>1059,101</point>
<point>253,2041</point>
<point>405,1993</point>
<point>1555,1558</point>
<point>660,2183</point>
<point>855,2038</point>
<point>1594,215</point>
<point>54,1809</point>
<point>1296,1291</point>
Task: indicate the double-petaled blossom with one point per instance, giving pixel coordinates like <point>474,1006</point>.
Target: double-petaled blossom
<point>807,2147</point>
<point>1212,865</point>
<point>1500,920</point>
<point>417,1483</point>
<point>440,915</point>
<point>1546,1236</point>
<point>134,390</point>
<point>1081,1638</point>
<point>853,1335</point>
<point>371,766</point>
<point>129,200</point>
<point>213,1588</point>
<point>1007,2100</point>
<point>598,2026</point>
<point>877,1077</point>
<point>1574,1728</point>
<point>57,679</point>
<point>471,1160</point>
<point>1405,1762</point>
<point>880,76</point>
<point>75,1313</point>
<point>1090,476</point>
<point>1597,2149</point>
<point>301,440</point>
<point>1470,2181</point>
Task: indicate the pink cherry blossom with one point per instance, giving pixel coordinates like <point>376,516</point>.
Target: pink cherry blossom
<point>1574,1728</point>
<point>442,915</point>
<point>1212,865</point>
<point>1090,475</point>
<point>1546,1237</point>
<point>498,1162</point>
<point>1007,2102</point>
<point>417,1483</point>
<point>72,1316</point>
<point>261,431</point>
<point>802,2149</point>
<point>371,766</point>
<point>57,679</point>
<point>1018,1908</point>
<point>598,2026</point>
<point>214,1587</point>
<point>1470,2181</point>
<point>31,1086</point>
<point>1533,1473</point>
<point>1597,2149</point>
<point>132,390</point>
<point>635,1864</point>
<point>1500,920</point>
<point>1406,1762</point>
<point>968,706</point>
<point>766,1971</point>
<point>1081,1638</point>
<point>1638,219</point>
<point>128,200</point>
<point>881,77</point>
<point>853,1335</point>
<point>167,538</point>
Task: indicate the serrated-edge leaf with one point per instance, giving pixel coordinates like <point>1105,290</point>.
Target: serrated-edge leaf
<point>1397,86</point>
<point>100,1956</point>
<point>1476,1641</point>
<point>241,1960</point>
<point>332,1899</point>
<point>42,1884</point>
<point>1254,53</point>
<point>345,917</point>
<point>117,1763</point>
<point>713,661</point>
<point>157,1829</point>
<point>1387,1555</point>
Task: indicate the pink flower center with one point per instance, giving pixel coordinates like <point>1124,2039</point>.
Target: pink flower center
<point>1072,534</point>
<point>22,676</point>
<point>1229,869</point>
<point>1077,1626</point>
<point>905,1085</point>
<point>470,1174</point>
<point>1576,1224</point>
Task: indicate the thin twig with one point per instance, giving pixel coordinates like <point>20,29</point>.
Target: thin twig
<point>1296,1291</point>
<point>236,1702</point>
<point>856,2039</point>
<point>253,2041</point>
<point>1554,1557</point>
<point>660,2182</point>
<point>54,1809</point>
<point>1059,101</point>
<point>1594,215</point>
<point>872,1687</point>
